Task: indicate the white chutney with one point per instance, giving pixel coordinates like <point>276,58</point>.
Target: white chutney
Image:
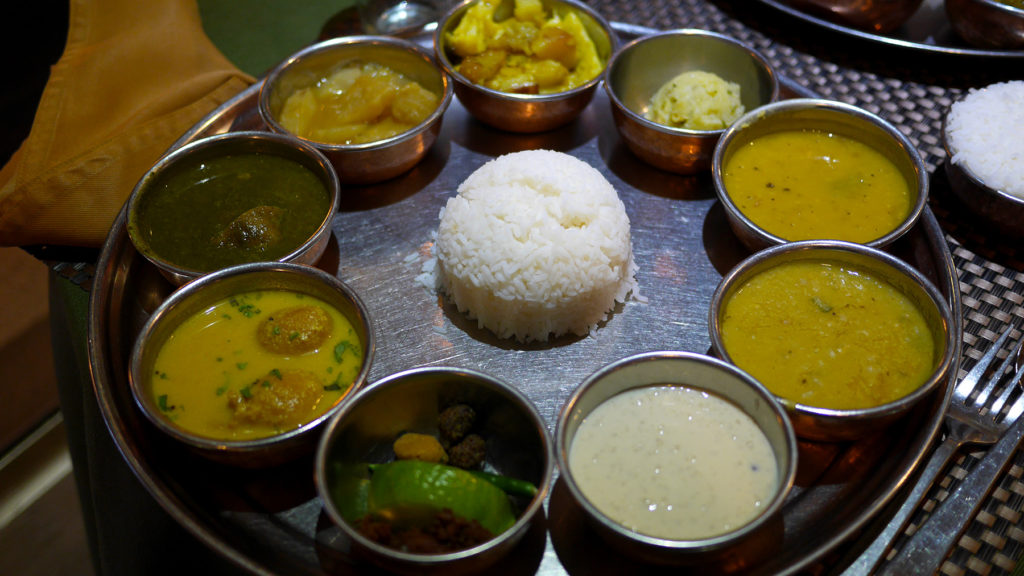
<point>673,462</point>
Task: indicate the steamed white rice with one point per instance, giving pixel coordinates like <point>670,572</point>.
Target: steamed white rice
<point>984,131</point>
<point>535,244</point>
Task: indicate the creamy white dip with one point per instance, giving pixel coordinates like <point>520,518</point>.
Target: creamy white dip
<point>673,462</point>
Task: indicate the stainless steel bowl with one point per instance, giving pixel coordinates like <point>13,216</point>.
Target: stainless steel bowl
<point>364,430</point>
<point>204,292</point>
<point>1003,211</point>
<point>369,162</point>
<point>987,23</point>
<point>867,15</point>
<point>826,116</point>
<point>525,113</point>
<point>641,67</point>
<point>694,371</point>
<point>824,424</point>
<point>221,145</point>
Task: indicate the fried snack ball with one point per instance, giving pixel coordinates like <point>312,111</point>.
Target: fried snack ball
<point>415,446</point>
<point>280,399</point>
<point>295,330</point>
<point>468,454</point>
<point>454,422</point>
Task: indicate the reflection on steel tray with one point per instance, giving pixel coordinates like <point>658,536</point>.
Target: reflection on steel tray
<point>927,30</point>
<point>271,522</point>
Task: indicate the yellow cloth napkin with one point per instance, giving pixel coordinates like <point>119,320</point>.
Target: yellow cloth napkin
<point>133,77</point>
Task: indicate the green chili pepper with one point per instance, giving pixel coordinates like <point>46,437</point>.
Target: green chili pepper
<point>513,486</point>
<point>404,484</point>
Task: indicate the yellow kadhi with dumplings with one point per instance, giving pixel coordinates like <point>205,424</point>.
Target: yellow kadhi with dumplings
<point>256,364</point>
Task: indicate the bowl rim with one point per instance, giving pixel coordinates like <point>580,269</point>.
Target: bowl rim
<point>693,546</point>
<point>935,380</point>
<point>998,6</point>
<point>445,62</point>
<point>340,43</point>
<point>195,289</point>
<point>965,170</point>
<point>167,162</point>
<point>616,102</point>
<point>348,404</point>
<point>831,106</point>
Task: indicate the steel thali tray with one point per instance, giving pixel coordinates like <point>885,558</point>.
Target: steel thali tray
<point>927,30</point>
<point>270,521</point>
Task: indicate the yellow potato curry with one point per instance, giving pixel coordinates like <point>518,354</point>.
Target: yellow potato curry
<point>532,52</point>
<point>828,335</point>
<point>255,365</point>
<point>809,184</point>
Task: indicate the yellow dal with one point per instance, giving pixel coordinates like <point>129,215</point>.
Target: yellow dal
<point>214,355</point>
<point>828,335</point>
<point>807,184</point>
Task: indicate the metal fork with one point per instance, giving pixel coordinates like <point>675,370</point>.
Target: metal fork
<point>926,550</point>
<point>972,417</point>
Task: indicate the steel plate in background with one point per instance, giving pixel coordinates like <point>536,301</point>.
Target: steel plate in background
<point>928,30</point>
<point>271,522</point>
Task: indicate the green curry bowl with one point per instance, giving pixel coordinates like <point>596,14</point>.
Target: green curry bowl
<point>231,199</point>
<point>245,365</point>
<point>436,470</point>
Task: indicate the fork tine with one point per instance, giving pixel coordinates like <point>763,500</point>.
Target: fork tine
<point>1007,362</point>
<point>972,378</point>
<point>1015,382</point>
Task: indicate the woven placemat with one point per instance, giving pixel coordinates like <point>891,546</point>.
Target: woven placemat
<point>912,91</point>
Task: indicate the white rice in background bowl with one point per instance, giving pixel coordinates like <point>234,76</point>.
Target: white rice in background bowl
<point>535,244</point>
<point>985,135</point>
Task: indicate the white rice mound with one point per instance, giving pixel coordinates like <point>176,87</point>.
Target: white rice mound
<point>984,131</point>
<point>535,244</point>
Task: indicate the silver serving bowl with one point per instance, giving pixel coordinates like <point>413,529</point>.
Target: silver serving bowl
<point>987,23</point>
<point>369,162</point>
<point>222,145</point>
<point>826,116</point>
<point>997,208</point>
<point>363,431</point>
<point>826,424</point>
<point>525,113</point>
<point>199,295</point>
<point>638,69</point>
<point>693,371</point>
<point>868,15</point>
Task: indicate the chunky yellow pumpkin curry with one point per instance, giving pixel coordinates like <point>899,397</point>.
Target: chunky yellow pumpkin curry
<point>530,53</point>
<point>255,365</point>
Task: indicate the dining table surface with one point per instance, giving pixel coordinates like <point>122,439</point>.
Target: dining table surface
<point>911,87</point>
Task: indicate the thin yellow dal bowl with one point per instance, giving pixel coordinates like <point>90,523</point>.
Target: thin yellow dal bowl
<point>815,169</point>
<point>802,366</point>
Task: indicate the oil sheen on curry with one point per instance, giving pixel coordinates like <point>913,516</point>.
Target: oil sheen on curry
<point>256,364</point>
<point>828,335</point>
<point>810,184</point>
